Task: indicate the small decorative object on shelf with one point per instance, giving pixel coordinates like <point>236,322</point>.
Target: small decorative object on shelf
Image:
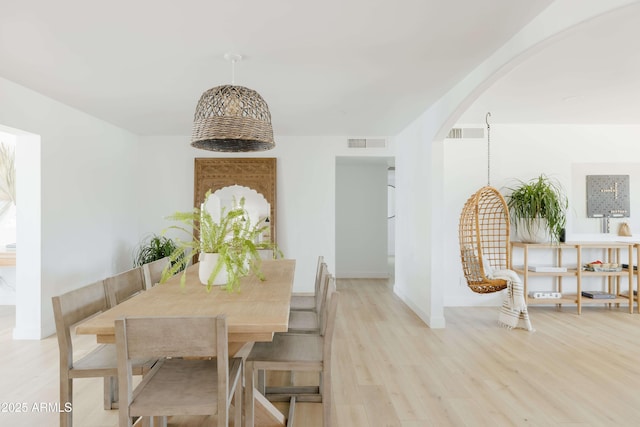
<point>551,295</point>
<point>625,230</point>
<point>602,266</point>
<point>598,295</point>
<point>546,269</point>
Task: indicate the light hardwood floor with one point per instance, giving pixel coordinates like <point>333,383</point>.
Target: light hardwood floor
<point>391,370</point>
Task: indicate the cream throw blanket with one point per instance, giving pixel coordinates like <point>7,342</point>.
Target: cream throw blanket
<point>513,313</point>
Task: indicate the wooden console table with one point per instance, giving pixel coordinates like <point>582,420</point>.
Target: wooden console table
<point>612,253</point>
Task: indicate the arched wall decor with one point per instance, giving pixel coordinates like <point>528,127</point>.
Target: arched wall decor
<point>255,173</point>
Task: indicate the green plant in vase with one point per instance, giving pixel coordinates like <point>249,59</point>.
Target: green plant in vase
<point>538,205</point>
<point>153,248</point>
<point>226,242</point>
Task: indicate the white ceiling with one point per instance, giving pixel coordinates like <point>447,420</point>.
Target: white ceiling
<point>338,67</point>
<point>590,75</point>
<point>334,67</point>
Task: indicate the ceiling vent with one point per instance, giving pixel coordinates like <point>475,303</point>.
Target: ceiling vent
<point>466,133</point>
<point>367,143</point>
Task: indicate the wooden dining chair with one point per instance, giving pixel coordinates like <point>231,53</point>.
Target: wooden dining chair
<point>308,322</point>
<point>308,302</point>
<point>124,285</point>
<point>295,352</point>
<point>70,309</point>
<point>194,375</point>
<point>152,271</point>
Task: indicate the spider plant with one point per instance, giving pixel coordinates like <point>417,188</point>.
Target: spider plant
<point>153,248</point>
<point>539,198</point>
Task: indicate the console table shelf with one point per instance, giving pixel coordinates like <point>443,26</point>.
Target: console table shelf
<point>613,280</point>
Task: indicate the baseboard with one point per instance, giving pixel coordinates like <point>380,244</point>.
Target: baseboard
<point>8,299</point>
<point>26,334</point>
<point>362,275</point>
<point>431,321</point>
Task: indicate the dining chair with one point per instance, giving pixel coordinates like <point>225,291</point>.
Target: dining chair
<point>295,352</point>
<point>194,374</point>
<point>70,309</point>
<point>308,302</point>
<point>123,286</point>
<point>152,271</point>
<point>308,322</point>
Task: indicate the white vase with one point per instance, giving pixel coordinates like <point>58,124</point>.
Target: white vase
<point>534,232</point>
<point>208,262</point>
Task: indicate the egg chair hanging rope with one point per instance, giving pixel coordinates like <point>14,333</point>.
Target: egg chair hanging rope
<point>486,120</point>
<point>483,233</point>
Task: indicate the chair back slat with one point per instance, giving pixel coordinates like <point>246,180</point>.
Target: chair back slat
<point>192,342</point>
<point>329,289</point>
<point>155,337</point>
<point>81,303</point>
<point>152,271</point>
<point>124,285</point>
<point>320,292</point>
<point>319,274</point>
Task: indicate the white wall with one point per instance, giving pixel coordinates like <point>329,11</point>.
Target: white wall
<point>565,152</point>
<point>82,223</point>
<point>418,264</point>
<point>305,191</point>
<point>361,219</point>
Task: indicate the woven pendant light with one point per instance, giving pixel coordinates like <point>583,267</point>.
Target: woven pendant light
<point>232,118</point>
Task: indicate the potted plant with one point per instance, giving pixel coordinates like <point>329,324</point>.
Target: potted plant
<point>226,242</point>
<point>538,209</point>
<point>153,248</point>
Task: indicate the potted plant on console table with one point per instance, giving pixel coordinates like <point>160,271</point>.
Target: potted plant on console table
<point>226,242</point>
<point>538,210</point>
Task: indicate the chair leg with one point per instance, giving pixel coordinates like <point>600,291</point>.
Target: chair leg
<point>262,381</point>
<point>249,384</point>
<point>66,396</point>
<point>110,393</point>
<point>158,421</point>
<point>237,401</point>
<point>292,412</point>
<point>325,391</point>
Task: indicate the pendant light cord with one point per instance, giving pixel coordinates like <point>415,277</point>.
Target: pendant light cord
<point>233,71</point>
<point>233,58</point>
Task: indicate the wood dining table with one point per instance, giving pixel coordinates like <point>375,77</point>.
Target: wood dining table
<point>254,312</point>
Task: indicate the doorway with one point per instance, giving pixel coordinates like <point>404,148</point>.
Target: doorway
<point>364,236</point>
<point>28,278</point>
<point>7,219</point>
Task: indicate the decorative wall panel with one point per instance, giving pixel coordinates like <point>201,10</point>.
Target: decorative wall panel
<point>256,173</point>
<point>608,196</point>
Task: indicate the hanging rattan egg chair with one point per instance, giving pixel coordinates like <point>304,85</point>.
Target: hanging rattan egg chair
<point>484,239</point>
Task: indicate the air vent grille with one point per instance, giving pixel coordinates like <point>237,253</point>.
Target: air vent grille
<point>367,143</point>
<point>466,133</point>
